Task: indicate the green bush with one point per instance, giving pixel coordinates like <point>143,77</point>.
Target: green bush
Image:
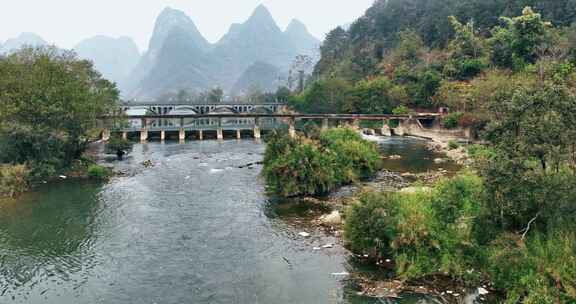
<point>401,110</point>
<point>13,180</point>
<point>305,166</point>
<point>425,232</point>
<point>98,172</point>
<point>301,168</point>
<point>541,269</point>
<point>452,120</point>
<point>453,145</point>
<point>465,69</point>
<point>117,143</point>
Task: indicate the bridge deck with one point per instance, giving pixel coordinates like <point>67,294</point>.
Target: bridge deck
<point>290,116</point>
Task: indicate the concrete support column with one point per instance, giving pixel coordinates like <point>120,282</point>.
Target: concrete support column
<point>257,134</point>
<point>238,134</point>
<point>325,124</point>
<point>220,134</point>
<point>201,135</point>
<point>400,130</point>
<point>182,134</point>
<point>106,134</point>
<point>162,135</point>
<point>386,131</point>
<point>292,128</point>
<point>143,135</point>
<point>124,135</point>
<point>356,124</point>
<point>144,131</point>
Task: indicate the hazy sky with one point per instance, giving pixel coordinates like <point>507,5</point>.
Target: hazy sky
<point>66,22</point>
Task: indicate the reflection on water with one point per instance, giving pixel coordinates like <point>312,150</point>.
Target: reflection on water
<point>415,156</point>
<point>195,228</point>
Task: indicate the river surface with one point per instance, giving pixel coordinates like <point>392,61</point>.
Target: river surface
<point>194,228</point>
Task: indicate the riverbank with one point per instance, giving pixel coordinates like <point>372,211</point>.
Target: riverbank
<point>381,281</point>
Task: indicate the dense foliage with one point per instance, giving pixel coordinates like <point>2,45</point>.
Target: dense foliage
<point>13,179</point>
<point>513,80</point>
<point>50,102</point>
<point>427,232</point>
<point>310,166</point>
<point>440,54</point>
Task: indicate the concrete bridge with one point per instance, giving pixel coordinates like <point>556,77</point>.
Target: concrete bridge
<point>162,108</point>
<point>243,124</point>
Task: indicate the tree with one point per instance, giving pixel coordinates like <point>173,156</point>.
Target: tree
<point>283,94</point>
<point>50,101</point>
<point>326,96</point>
<point>533,135</point>
<point>466,52</point>
<point>215,95</point>
<point>375,96</point>
<point>301,66</point>
<point>516,44</point>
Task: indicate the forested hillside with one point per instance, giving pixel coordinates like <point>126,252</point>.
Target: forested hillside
<point>356,53</point>
<point>421,55</point>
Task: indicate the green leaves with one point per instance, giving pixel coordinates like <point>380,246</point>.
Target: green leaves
<point>303,166</point>
<point>50,100</point>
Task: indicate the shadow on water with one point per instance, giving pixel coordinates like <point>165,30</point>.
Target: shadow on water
<point>416,157</point>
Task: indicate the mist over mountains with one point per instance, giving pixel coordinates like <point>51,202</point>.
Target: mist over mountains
<point>180,58</point>
<point>255,54</point>
<point>24,39</point>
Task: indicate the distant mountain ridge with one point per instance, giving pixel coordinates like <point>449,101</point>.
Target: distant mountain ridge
<point>254,54</point>
<point>24,39</point>
<point>184,60</point>
<point>114,58</point>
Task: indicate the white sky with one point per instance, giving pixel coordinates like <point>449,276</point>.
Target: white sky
<point>67,22</point>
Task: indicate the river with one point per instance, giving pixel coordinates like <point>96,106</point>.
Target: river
<point>194,228</point>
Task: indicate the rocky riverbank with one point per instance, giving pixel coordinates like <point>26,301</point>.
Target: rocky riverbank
<point>329,216</point>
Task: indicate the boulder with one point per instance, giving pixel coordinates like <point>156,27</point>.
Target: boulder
<point>333,218</point>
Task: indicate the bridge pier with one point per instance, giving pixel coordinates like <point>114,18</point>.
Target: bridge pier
<point>144,131</point>
<point>106,134</point>
<point>143,135</point>
<point>182,134</point>
<point>292,128</point>
<point>356,124</point>
<point>124,135</point>
<point>325,124</point>
<point>257,134</point>
<point>386,131</point>
<point>238,134</point>
<point>201,135</point>
<point>162,135</point>
<point>220,134</point>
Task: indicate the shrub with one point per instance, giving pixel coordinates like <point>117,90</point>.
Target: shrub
<point>465,69</point>
<point>301,168</point>
<point>425,232</point>
<point>453,145</point>
<point>13,180</point>
<point>117,143</point>
<point>98,172</point>
<point>541,269</point>
<point>368,222</point>
<point>401,110</point>
<point>305,166</point>
<point>452,120</point>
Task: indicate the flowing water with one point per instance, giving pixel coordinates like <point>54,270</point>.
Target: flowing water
<point>194,228</point>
